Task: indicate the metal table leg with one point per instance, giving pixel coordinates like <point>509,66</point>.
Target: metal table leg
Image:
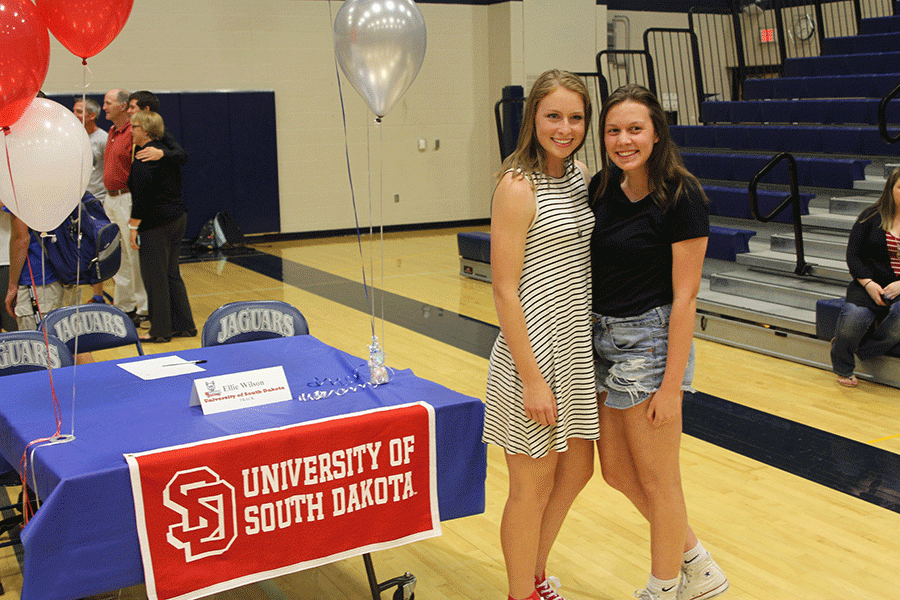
<point>406,583</point>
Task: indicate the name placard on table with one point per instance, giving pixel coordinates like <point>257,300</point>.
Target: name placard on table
<point>240,390</point>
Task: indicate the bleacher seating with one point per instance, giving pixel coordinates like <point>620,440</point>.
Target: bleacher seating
<point>725,243</point>
<point>849,64</point>
<point>474,254</point>
<point>821,172</point>
<point>827,312</point>
<point>826,111</point>
<point>832,86</point>
<point>861,44</point>
<point>734,203</point>
<point>865,141</point>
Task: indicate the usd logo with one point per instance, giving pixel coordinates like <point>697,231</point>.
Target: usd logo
<point>211,389</point>
<point>208,512</point>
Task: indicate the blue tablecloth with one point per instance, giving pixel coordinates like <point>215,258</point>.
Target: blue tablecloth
<point>83,539</point>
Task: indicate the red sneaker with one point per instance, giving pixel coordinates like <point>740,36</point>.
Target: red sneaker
<point>534,596</point>
<point>546,589</point>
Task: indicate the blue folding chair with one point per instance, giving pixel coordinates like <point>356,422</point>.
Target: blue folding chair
<point>252,320</point>
<point>96,327</point>
<point>24,351</point>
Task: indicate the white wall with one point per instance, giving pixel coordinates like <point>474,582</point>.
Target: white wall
<point>286,46</point>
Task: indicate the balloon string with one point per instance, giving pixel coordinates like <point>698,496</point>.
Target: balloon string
<point>371,233</point>
<point>349,171</point>
<point>12,182</point>
<point>57,411</point>
<point>381,214</point>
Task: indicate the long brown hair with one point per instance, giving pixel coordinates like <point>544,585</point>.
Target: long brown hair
<point>529,156</point>
<point>664,166</point>
<point>885,206</point>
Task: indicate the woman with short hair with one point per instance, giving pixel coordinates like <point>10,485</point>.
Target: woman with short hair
<point>157,224</point>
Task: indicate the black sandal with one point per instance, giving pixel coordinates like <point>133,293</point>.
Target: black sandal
<point>155,339</point>
<point>185,333</point>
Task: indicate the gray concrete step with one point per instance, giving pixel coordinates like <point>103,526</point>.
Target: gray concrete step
<point>794,292</point>
<point>828,220</point>
<point>780,262</point>
<point>872,183</point>
<point>815,245</point>
<point>766,314</point>
<point>850,205</point>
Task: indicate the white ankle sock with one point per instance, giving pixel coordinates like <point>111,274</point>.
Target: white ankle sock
<point>663,588</point>
<point>694,552</point>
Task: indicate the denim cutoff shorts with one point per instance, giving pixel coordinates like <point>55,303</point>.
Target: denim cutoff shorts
<point>630,356</point>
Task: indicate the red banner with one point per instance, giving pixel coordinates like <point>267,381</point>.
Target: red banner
<point>227,512</point>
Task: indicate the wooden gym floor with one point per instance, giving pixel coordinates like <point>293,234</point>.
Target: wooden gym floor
<point>791,480</point>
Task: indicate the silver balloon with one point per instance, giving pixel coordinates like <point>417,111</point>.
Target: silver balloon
<point>380,45</point>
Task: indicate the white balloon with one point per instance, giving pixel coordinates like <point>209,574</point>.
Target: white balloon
<point>380,45</point>
<point>50,160</point>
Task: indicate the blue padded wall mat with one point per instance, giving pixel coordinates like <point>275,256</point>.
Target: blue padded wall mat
<point>232,154</point>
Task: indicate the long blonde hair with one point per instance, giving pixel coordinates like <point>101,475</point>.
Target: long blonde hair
<point>885,206</point>
<point>529,156</point>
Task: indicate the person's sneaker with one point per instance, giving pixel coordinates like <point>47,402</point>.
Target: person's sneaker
<point>534,596</point>
<point>546,589</point>
<point>701,579</point>
<point>645,595</point>
<point>96,300</point>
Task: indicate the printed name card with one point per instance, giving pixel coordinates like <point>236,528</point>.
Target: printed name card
<point>240,390</point>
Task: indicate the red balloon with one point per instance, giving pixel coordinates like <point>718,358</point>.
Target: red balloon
<point>85,27</point>
<point>24,58</point>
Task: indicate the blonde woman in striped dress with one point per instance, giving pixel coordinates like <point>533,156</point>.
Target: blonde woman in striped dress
<point>541,403</point>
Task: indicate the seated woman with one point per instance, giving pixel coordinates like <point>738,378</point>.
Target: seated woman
<point>159,215</point>
<point>873,255</point>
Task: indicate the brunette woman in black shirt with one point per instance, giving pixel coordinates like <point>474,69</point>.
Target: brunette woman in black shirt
<point>647,250</point>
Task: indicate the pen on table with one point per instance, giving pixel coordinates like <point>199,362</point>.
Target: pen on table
<point>187,362</point>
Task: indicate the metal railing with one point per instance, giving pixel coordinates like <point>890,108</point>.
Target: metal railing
<point>802,267</point>
<point>590,152</point>
<point>677,75</point>
<point>882,117</point>
<point>619,67</point>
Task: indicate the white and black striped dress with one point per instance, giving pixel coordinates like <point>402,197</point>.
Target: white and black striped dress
<point>555,292</point>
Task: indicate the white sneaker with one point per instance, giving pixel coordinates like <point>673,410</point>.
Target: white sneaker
<point>701,579</point>
<point>645,595</point>
<point>546,589</point>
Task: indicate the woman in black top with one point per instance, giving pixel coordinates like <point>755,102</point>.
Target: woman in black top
<point>873,256</point>
<point>647,250</point>
<point>159,215</point>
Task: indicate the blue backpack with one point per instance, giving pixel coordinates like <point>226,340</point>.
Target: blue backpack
<point>100,254</point>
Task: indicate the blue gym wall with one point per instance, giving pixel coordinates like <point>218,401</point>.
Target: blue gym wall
<point>232,154</point>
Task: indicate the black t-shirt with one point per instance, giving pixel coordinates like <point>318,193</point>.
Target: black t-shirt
<point>631,247</point>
